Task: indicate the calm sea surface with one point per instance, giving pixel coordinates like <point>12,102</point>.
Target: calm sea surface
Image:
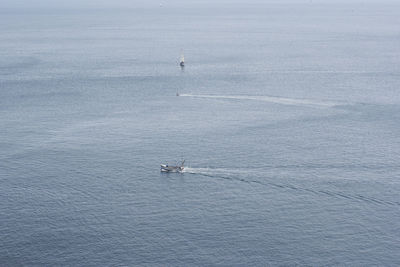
<point>288,118</point>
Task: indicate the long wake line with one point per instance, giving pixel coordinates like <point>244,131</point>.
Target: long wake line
<point>202,172</point>
<point>273,99</point>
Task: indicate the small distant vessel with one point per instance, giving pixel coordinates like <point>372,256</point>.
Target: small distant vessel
<point>182,61</point>
<point>174,168</point>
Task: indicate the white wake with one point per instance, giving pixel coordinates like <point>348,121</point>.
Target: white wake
<point>273,99</point>
<point>215,171</point>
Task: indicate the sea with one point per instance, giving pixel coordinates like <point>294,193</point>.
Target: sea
<point>288,117</point>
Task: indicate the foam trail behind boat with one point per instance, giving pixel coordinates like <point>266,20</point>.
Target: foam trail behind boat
<point>215,171</point>
<point>273,99</point>
<point>250,177</point>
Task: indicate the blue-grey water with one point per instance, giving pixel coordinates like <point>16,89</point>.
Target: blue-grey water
<point>288,118</point>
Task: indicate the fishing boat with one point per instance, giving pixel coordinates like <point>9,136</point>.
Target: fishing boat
<point>173,168</point>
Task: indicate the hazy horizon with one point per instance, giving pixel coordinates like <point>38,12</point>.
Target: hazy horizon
<point>175,3</point>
